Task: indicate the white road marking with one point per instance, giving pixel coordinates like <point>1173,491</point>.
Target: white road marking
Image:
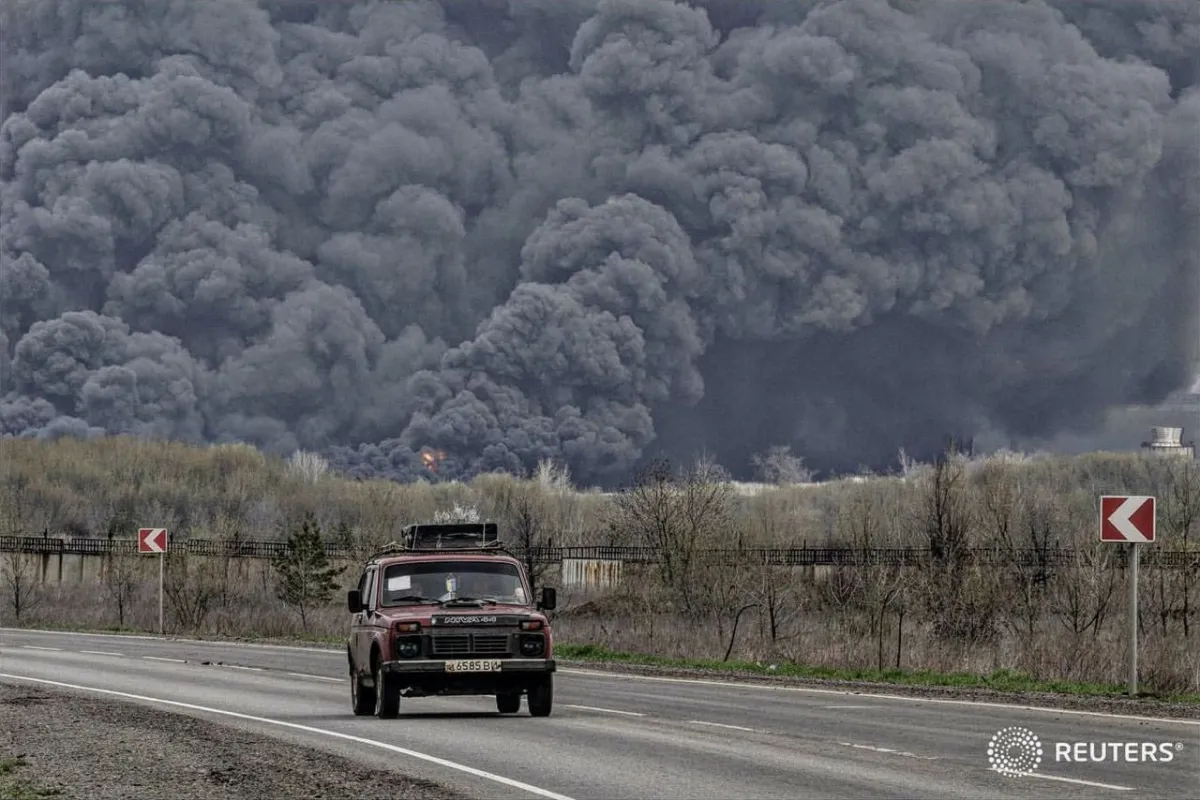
<point>442,762</point>
<point>35,647</point>
<point>874,749</point>
<point>606,710</point>
<point>160,658</point>
<point>1061,779</point>
<point>314,677</point>
<point>856,694</point>
<point>238,666</point>
<point>721,725</point>
<point>102,653</point>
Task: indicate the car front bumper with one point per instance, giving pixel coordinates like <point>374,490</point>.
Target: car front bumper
<point>508,666</point>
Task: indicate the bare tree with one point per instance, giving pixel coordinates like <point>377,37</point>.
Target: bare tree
<point>523,511</point>
<point>22,589</point>
<point>647,513</point>
<point>677,515</point>
<point>1021,523</point>
<point>120,573</point>
<point>552,476</point>
<point>228,569</point>
<point>459,512</point>
<point>1083,602</point>
<point>876,530</point>
<point>122,577</point>
<point>705,498</point>
<point>771,522</point>
<point>191,588</point>
<point>308,467</point>
<point>191,583</point>
<point>1181,515</point>
<point>19,571</point>
<point>959,600</point>
<point>779,466</point>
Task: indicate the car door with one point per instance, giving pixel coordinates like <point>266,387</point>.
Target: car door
<point>360,632</point>
<point>371,601</point>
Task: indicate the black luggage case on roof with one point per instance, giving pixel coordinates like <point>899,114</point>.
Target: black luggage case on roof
<point>451,536</point>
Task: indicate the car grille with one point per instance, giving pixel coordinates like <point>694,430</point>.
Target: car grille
<point>469,644</point>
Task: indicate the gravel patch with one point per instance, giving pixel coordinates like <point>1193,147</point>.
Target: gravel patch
<point>69,746</point>
<point>1111,705</point>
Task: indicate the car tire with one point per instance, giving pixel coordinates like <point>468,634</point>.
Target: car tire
<point>541,697</point>
<point>362,698</point>
<point>387,694</point>
<point>508,703</point>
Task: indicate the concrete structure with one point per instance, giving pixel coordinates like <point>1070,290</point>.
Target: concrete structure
<point>1169,442</point>
<point>590,573</point>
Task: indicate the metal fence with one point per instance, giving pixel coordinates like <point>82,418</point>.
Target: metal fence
<point>771,557</point>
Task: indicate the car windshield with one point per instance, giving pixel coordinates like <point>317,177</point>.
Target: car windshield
<point>441,581</point>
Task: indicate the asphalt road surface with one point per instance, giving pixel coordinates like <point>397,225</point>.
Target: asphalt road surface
<point>621,736</point>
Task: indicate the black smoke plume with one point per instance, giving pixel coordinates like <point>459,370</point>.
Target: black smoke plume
<point>595,230</point>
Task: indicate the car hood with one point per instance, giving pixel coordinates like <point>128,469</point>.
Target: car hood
<point>501,614</point>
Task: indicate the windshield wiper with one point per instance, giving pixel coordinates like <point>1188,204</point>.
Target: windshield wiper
<point>413,598</point>
<point>469,600</point>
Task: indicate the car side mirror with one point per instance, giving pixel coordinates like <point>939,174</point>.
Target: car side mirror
<point>354,601</point>
<point>549,598</point>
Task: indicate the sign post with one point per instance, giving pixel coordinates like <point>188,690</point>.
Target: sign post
<point>154,540</point>
<point>1130,519</point>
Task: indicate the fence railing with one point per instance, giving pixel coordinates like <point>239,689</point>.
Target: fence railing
<point>770,557</point>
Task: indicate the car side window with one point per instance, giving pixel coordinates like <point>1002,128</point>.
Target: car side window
<point>369,599</point>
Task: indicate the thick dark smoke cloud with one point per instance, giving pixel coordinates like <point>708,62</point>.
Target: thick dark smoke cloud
<point>595,229</point>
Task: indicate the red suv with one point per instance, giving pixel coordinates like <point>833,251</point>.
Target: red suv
<point>449,612</point>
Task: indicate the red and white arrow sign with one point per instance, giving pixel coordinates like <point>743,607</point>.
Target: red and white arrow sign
<point>1127,518</point>
<point>152,540</point>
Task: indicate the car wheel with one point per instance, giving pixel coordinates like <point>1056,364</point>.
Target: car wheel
<point>362,698</point>
<point>508,703</point>
<point>541,697</point>
<point>387,694</point>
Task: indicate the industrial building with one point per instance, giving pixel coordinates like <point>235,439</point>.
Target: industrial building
<point>1169,442</point>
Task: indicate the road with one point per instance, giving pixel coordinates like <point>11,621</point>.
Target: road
<point>619,736</point>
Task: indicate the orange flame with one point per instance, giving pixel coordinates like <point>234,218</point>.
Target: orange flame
<point>432,459</point>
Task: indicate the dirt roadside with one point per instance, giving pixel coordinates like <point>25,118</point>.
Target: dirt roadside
<point>69,746</point>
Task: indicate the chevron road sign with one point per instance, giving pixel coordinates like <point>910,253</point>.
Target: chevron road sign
<point>152,540</point>
<point>1126,518</point>
<point>1129,519</point>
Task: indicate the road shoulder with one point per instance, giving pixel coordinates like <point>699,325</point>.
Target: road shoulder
<point>63,745</point>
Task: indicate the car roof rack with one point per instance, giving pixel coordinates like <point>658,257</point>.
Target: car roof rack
<point>456,537</point>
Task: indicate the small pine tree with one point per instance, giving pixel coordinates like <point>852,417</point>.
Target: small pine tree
<point>306,579</point>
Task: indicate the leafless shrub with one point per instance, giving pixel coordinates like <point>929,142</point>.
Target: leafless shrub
<point>779,466</point>
<point>306,466</point>
<point>458,513</point>
<point>19,580</point>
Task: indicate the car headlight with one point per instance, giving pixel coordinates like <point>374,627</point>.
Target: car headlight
<point>408,647</point>
<point>533,645</point>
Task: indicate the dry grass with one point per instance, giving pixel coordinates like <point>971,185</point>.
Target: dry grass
<point>1066,622</point>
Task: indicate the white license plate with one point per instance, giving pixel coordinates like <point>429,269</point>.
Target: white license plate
<point>474,665</point>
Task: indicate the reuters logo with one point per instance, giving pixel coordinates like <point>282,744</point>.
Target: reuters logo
<point>1015,751</point>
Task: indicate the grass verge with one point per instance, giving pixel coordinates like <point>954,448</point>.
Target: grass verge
<point>14,788</point>
<point>1004,681</point>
